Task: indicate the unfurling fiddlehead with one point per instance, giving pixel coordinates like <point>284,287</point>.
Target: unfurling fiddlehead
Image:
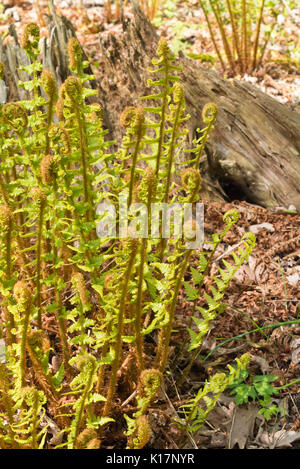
<point>16,116</point>
<point>30,39</point>
<point>209,116</point>
<point>191,181</point>
<point>88,439</point>
<point>48,169</point>
<point>127,116</point>
<point>139,430</point>
<point>75,55</point>
<point>37,345</point>
<point>87,366</point>
<point>73,89</point>
<point>209,113</point>
<point>50,88</point>
<point>231,217</point>
<point>60,139</point>
<point>141,434</point>
<point>31,413</point>
<point>149,383</point>
<point>49,83</point>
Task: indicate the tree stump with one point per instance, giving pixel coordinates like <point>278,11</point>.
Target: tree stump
<point>254,151</point>
<point>54,57</point>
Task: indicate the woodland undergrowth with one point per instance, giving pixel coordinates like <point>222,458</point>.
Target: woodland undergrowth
<point>87,321</point>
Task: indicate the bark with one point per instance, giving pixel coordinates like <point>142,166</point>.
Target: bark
<point>54,57</point>
<point>254,151</point>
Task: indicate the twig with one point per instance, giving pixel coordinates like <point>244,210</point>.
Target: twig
<point>192,441</point>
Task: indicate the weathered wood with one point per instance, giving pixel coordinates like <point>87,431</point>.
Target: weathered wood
<point>13,57</point>
<point>254,151</point>
<point>54,56</point>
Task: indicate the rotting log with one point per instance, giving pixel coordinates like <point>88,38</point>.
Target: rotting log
<point>54,57</point>
<point>254,151</point>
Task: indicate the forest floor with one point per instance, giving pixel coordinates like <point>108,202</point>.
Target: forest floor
<point>264,292</point>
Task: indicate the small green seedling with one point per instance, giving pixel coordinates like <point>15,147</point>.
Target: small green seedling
<point>257,388</point>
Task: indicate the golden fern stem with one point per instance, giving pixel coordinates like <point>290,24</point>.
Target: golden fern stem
<point>257,34</point>
<point>171,151</point>
<point>22,363</point>
<point>235,34</point>
<point>8,404</point>
<point>212,35</point>
<point>18,198</point>
<point>83,154</point>
<point>118,340</point>
<point>203,142</point>
<point>165,332</point>
<point>35,415</point>
<point>109,15</point>
<point>170,160</point>
<point>162,123</point>
<point>60,319</point>
<point>84,397</point>
<point>49,122</point>
<point>39,264</point>
<point>10,322</point>
<point>118,10</point>
<point>4,191</point>
<point>42,378</point>
<point>245,34</point>
<point>217,13</point>
<point>139,307</point>
<point>133,164</point>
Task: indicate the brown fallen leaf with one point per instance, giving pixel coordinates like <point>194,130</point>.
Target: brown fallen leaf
<point>242,425</point>
<point>279,439</point>
<point>262,363</point>
<point>261,226</point>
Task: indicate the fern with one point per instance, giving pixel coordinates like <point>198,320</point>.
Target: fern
<point>196,412</point>
<point>102,296</point>
<point>214,301</point>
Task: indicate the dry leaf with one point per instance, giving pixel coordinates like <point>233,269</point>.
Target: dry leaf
<point>242,425</point>
<point>262,363</point>
<point>293,279</point>
<point>280,439</point>
<point>261,226</point>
